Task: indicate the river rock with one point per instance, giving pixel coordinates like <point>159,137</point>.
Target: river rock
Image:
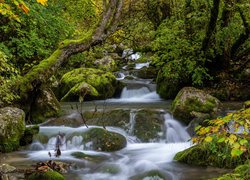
<point>95,158</point>
<point>167,88</point>
<point>6,168</point>
<point>103,140</point>
<point>148,124</point>
<point>107,63</point>
<point>146,73</point>
<point>27,137</point>
<point>88,82</point>
<point>193,103</point>
<point>116,117</point>
<point>153,174</point>
<point>53,175</point>
<point>46,105</point>
<point>12,127</point>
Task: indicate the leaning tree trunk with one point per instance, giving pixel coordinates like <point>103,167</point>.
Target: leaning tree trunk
<point>40,73</point>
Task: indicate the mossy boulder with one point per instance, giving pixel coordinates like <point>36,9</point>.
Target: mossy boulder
<point>240,172</point>
<point>45,106</point>
<point>193,103</point>
<point>12,127</point>
<point>27,137</point>
<point>116,117</point>
<point>50,175</point>
<point>107,63</point>
<point>167,88</point>
<point>145,72</point>
<point>200,155</point>
<point>88,82</point>
<point>103,140</point>
<point>95,158</point>
<point>73,120</point>
<point>153,174</point>
<point>148,124</point>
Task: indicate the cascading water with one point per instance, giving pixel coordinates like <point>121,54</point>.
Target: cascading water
<point>175,132</point>
<point>136,158</point>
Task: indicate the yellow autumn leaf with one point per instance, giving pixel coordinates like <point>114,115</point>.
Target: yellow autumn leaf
<point>43,2</point>
<point>208,139</point>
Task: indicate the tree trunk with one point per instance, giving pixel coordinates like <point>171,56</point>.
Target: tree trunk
<point>40,73</point>
<point>212,24</point>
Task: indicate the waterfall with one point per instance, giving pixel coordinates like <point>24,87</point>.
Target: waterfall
<point>133,93</point>
<point>175,132</point>
<point>132,122</point>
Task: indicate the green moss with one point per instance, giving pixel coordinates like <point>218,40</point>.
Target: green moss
<point>110,168</point>
<point>167,88</point>
<point>201,155</point>
<point>190,101</point>
<point>104,140</point>
<point>148,125</point>
<point>88,157</point>
<point>38,73</point>
<point>87,37</point>
<point>12,127</point>
<point>50,175</point>
<point>98,83</point>
<point>153,174</point>
<point>240,172</point>
<point>28,135</point>
<point>41,138</point>
<point>8,145</point>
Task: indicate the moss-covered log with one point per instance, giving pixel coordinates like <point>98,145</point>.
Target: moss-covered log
<point>40,73</point>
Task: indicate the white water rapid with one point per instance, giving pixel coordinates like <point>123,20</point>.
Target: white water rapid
<point>136,158</point>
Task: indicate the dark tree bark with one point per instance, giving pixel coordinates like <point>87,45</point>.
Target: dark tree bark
<point>242,38</point>
<point>40,73</point>
<point>212,24</point>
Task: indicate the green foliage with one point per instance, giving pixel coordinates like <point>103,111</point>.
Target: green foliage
<point>227,142</point>
<point>36,36</point>
<point>178,54</point>
<point>8,74</point>
<point>82,13</point>
<point>239,173</point>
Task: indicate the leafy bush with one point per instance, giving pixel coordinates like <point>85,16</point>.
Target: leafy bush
<point>8,74</point>
<point>228,137</point>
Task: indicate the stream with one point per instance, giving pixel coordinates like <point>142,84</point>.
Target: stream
<point>137,160</point>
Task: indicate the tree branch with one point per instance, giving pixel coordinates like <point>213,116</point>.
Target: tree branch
<point>40,73</point>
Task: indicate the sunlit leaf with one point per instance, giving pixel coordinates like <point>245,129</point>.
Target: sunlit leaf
<point>243,141</point>
<point>236,152</point>
<point>208,139</point>
<point>221,140</point>
<point>43,2</point>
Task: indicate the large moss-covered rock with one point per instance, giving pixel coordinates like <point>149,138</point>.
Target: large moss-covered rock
<point>12,127</point>
<point>193,103</point>
<point>103,140</point>
<point>167,88</point>
<point>94,83</point>
<point>50,175</point>
<point>107,63</point>
<point>116,117</point>
<point>240,172</point>
<point>201,155</point>
<point>148,124</point>
<point>45,106</point>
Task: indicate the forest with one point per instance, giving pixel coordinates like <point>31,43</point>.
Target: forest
<point>94,58</point>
